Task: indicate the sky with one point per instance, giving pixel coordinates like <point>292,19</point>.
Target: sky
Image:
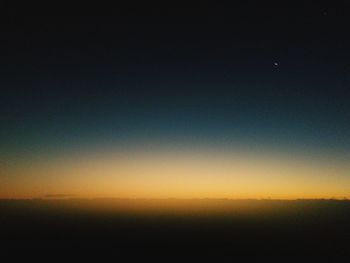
<point>219,92</point>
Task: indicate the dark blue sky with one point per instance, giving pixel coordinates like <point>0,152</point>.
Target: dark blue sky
<point>249,73</point>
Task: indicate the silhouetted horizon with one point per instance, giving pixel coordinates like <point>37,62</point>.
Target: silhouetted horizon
<point>215,128</point>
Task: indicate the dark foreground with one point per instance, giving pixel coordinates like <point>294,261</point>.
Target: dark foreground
<point>169,229</point>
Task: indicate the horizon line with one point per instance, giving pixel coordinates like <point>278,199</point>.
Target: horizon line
<point>170,198</point>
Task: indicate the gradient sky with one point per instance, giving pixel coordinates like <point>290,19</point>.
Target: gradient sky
<point>251,81</point>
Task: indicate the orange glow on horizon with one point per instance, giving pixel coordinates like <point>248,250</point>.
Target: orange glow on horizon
<point>177,174</point>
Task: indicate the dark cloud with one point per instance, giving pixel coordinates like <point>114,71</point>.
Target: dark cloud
<point>58,195</point>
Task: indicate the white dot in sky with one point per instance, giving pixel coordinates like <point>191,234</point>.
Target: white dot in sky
<point>275,63</point>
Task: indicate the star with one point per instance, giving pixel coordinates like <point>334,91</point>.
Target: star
<point>275,64</point>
